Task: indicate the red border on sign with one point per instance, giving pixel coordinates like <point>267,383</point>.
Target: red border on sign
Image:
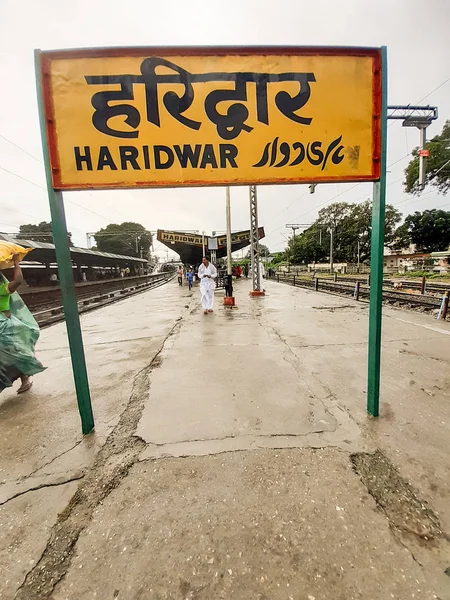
<point>47,56</point>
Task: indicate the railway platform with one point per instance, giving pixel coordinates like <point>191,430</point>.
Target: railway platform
<point>232,455</point>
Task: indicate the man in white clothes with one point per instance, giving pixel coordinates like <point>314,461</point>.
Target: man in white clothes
<point>207,273</point>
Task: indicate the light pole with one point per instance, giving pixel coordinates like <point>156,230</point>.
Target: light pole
<point>420,117</point>
<point>331,249</point>
<point>228,299</point>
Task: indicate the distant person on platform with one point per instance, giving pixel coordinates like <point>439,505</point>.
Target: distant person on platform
<point>246,270</point>
<point>190,278</point>
<point>207,273</point>
<point>180,276</point>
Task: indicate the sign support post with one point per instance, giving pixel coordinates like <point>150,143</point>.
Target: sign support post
<point>68,294</point>
<point>376,257</point>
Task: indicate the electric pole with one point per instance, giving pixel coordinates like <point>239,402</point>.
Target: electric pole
<point>254,244</point>
<point>295,226</point>
<point>331,249</point>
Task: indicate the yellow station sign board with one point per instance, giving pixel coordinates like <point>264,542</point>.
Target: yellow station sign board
<point>149,117</point>
<point>173,237</point>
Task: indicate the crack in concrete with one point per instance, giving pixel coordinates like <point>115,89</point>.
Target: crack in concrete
<point>412,353</point>
<point>119,453</point>
<point>40,487</point>
<point>294,362</point>
<point>364,343</point>
<point>237,436</point>
<point>124,341</point>
<point>51,461</point>
<point>332,396</point>
<point>333,308</point>
<point>236,450</point>
<point>399,540</point>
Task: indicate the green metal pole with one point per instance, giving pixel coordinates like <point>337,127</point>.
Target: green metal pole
<point>376,258</point>
<point>68,294</point>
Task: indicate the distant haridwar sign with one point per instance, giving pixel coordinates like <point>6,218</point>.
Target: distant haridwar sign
<point>124,118</point>
<point>181,237</point>
<point>178,237</point>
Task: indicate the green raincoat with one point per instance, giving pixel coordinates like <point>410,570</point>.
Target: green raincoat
<point>18,336</point>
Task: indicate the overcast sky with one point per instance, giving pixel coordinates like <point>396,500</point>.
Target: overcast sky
<point>417,35</point>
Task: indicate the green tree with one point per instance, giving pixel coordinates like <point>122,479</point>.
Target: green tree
<point>402,238</point>
<point>352,223</point>
<point>306,247</point>
<point>344,218</point>
<point>429,230</point>
<point>130,239</point>
<point>278,257</point>
<point>39,233</point>
<point>437,164</point>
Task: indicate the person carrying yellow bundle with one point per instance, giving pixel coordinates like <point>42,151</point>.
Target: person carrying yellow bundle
<point>8,250</point>
<point>19,333</point>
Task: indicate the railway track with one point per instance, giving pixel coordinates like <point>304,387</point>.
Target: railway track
<point>361,291</point>
<point>435,288</point>
<point>438,288</point>
<point>46,305</point>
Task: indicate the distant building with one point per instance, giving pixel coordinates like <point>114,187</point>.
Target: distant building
<point>406,261</point>
<point>441,261</point>
<point>410,260</point>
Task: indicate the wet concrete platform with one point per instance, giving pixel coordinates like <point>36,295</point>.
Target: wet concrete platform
<point>40,430</point>
<point>276,386</point>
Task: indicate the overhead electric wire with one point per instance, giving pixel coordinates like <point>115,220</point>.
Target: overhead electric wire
<point>19,212</point>
<point>292,203</point>
<point>342,193</point>
<point>20,148</point>
<point>45,189</point>
<point>435,89</point>
<point>442,205</point>
<point>412,201</point>
<point>23,178</point>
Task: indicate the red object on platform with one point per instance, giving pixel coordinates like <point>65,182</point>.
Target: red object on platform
<point>256,293</point>
<point>228,301</point>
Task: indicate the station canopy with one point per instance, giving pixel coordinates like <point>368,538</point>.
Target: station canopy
<point>190,248</point>
<point>45,253</point>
